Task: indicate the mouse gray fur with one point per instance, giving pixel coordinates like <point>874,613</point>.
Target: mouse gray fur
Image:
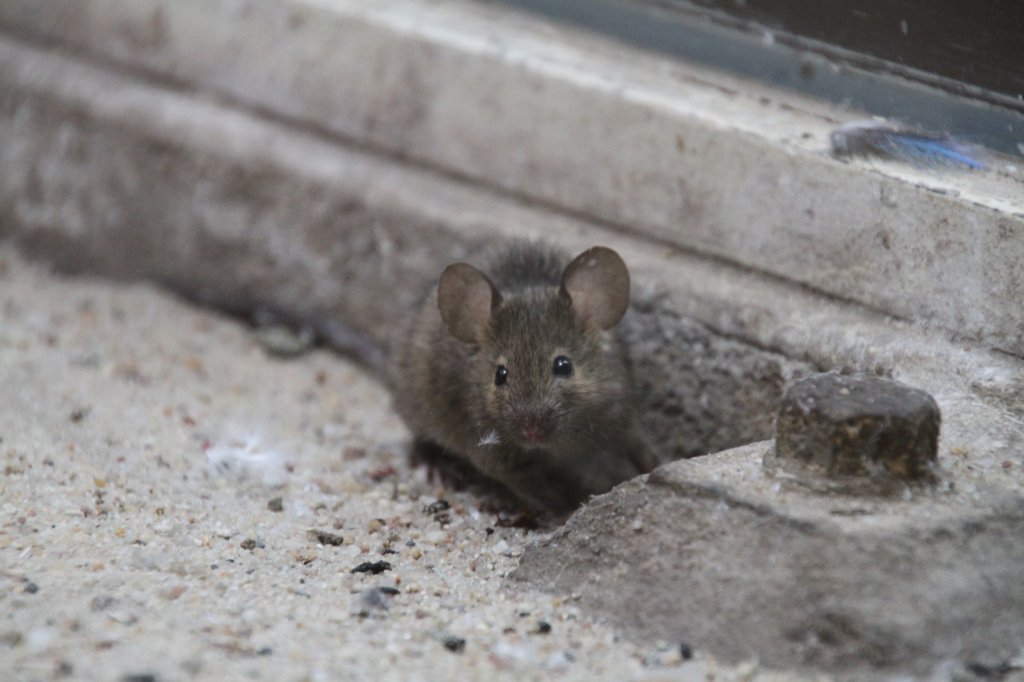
<point>519,369</point>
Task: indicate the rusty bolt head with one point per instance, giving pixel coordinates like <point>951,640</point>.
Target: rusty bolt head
<point>859,428</point>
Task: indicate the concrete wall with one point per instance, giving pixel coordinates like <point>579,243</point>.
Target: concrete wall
<point>715,166</point>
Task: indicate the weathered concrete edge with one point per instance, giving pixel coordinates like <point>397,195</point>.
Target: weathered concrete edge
<point>865,588</point>
<point>447,216</point>
<point>607,133</point>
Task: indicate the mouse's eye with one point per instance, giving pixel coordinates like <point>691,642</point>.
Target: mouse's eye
<point>501,375</point>
<point>562,367</point>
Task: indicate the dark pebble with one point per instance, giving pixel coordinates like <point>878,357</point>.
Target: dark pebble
<point>276,504</point>
<point>436,507</point>
<point>31,587</point>
<point>138,677</point>
<point>265,651</point>
<point>685,651</point>
<point>325,538</point>
<point>374,567</point>
<point>987,671</point>
<point>543,627</point>
<point>79,414</point>
<point>453,643</point>
<point>249,544</point>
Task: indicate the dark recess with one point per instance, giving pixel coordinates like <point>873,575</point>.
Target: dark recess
<point>977,44</point>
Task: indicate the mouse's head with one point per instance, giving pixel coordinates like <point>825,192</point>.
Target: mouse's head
<point>546,370</point>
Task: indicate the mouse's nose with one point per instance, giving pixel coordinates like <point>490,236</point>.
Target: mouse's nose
<point>532,433</point>
<point>534,429</point>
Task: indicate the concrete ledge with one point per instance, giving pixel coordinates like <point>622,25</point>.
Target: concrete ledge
<point>718,166</point>
<point>714,553</point>
<point>111,173</point>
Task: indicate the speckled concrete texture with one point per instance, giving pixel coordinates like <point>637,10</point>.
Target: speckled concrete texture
<point>169,497</point>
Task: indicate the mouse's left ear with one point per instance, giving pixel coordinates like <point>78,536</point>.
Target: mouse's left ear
<point>597,284</point>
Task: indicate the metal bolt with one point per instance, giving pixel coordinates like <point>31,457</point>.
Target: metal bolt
<point>857,428</point>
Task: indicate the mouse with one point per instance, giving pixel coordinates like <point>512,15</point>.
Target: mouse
<point>519,369</point>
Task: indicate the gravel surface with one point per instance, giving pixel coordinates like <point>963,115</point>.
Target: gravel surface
<point>177,503</point>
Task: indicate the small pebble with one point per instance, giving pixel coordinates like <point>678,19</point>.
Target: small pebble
<point>435,507</point>
<point>276,504</point>
<point>374,567</point>
<point>543,627</point>
<point>284,342</point>
<point>685,651</point>
<point>453,643</point>
<point>325,538</point>
<point>382,472</point>
<point>248,544</point>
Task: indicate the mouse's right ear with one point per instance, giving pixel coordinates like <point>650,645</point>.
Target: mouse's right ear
<point>466,298</point>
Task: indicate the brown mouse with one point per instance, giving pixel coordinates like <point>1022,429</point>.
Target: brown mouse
<point>522,373</point>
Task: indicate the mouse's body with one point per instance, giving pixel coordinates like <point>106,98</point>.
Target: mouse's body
<point>518,370</point>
